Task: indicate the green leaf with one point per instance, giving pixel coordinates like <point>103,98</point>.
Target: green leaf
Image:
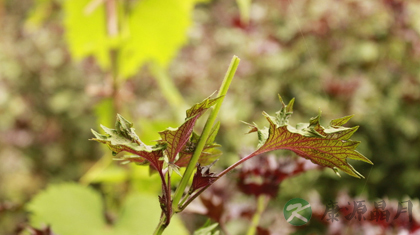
<point>330,147</point>
<point>158,28</point>
<point>152,30</point>
<point>140,215</point>
<point>111,174</point>
<point>86,31</point>
<point>207,229</point>
<point>73,209</point>
<point>69,209</point>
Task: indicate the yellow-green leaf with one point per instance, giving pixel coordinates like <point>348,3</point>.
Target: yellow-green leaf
<point>86,32</point>
<point>152,30</point>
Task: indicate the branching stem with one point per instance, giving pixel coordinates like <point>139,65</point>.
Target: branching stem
<point>205,134</point>
<point>233,166</point>
<point>173,206</point>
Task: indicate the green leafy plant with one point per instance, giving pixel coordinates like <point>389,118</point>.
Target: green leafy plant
<point>330,147</point>
<point>181,147</point>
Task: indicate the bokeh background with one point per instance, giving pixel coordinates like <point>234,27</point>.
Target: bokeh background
<point>68,65</point>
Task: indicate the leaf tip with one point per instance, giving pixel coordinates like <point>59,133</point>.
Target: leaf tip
<point>290,105</point>
<point>124,122</point>
<point>97,135</point>
<point>336,171</point>
<point>252,127</point>
<point>340,121</point>
<point>281,100</point>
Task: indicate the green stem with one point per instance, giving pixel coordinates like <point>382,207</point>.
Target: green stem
<point>239,162</point>
<point>205,134</point>
<point>183,201</point>
<point>161,226</point>
<point>186,202</point>
<point>261,204</point>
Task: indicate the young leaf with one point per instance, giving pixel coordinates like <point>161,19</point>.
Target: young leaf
<point>209,154</point>
<point>123,138</point>
<point>207,229</point>
<point>330,147</point>
<point>203,177</point>
<point>177,138</point>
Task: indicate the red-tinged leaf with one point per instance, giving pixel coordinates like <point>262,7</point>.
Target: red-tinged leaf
<point>154,157</point>
<point>46,231</point>
<point>202,177</point>
<point>124,139</point>
<point>209,154</point>
<point>330,147</point>
<point>198,108</point>
<point>177,138</point>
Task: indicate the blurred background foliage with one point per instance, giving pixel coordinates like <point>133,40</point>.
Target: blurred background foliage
<point>68,65</point>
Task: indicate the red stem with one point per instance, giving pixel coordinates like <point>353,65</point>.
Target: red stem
<point>167,193</point>
<point>236,164</point>
<point>168,201</point>
<point>182,207</point>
